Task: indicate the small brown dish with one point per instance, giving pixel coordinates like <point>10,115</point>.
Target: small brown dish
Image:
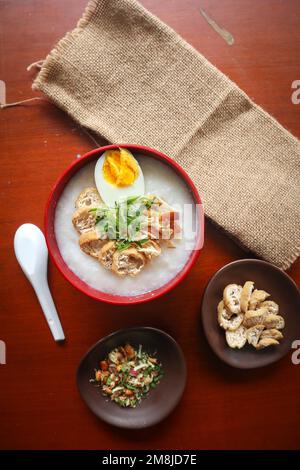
<point>160,401</point>
<point>283,291</point>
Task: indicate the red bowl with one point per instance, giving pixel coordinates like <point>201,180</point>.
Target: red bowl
<point>70,275</point>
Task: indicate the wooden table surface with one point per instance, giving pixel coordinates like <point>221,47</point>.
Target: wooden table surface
<point>39,404</point>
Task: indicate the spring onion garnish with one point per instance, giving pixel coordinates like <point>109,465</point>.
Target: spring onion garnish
<point>127,222</point>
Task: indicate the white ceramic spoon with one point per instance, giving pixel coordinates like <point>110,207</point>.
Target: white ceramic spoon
<point>32,254</point>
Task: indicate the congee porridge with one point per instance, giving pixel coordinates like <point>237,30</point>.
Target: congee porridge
<point>126,224</point>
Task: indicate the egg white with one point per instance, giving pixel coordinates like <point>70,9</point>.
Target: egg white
<point>110,193</point>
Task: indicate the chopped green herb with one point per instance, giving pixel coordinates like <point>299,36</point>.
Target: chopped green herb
<point>122,245</point>
<point>142,242</point>
<point>129,377</point>
<point>124,221</point>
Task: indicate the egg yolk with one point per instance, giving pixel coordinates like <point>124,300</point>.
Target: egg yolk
<point>120,168</point>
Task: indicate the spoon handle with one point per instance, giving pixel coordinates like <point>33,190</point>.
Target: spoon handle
<point>45,298</point>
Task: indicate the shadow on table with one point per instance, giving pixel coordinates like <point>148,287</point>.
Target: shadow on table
<point>136,436</point>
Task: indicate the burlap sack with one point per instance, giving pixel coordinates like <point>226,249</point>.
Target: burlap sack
<point>127,76</point>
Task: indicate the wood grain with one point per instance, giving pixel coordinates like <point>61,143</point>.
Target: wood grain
<point>39,403</point>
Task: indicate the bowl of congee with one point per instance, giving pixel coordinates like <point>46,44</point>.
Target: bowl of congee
<point>124,224</point>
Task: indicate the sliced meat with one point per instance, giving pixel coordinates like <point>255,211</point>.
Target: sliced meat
<point>153,224</point>
<point>169,225</point>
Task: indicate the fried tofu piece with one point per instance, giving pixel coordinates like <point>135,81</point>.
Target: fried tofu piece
<point>257,297</point>
<point>272,333</point>
<point>227,320</point>
<point>150,249</point>
<point>254,334</point>
<point>106,254</point>
<point>255,317</point>
<point>274,321</point>
<point>266,342</point>
<point>89,197</point>
<point>84,219</point>
<point>272,306</point>
<point>128,262</point>
<point>90,243</point>
<point>246,294</point>
<point>232,297</point>
<point>236,339</point>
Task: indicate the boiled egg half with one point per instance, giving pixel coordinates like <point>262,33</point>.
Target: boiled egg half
<point>118,175</point>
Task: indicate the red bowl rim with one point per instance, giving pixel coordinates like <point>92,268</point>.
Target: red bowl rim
<point>64,269</point>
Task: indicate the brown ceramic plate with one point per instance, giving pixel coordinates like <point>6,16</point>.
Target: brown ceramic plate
<point>283,290</point>
<point>160,401</point>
